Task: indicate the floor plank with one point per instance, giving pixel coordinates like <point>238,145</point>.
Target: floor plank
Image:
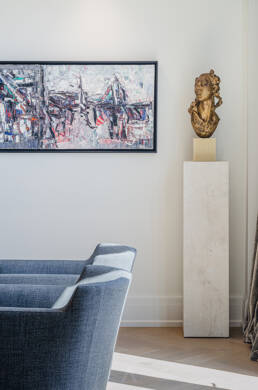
<point>168,344</point>
<point>162,359</point>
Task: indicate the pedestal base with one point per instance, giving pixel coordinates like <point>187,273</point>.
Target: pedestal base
<point>206,249</point>
<point>204,149</point>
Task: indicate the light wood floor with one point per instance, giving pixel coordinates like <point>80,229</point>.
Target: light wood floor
<point>168,345</point>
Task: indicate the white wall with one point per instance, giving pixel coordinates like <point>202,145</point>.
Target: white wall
<point>61,205</point>
<point>252,127</point>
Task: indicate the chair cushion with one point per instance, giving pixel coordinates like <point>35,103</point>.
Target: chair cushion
<point>39,279</point>
<point>31,296</point>
<point>41,266</point>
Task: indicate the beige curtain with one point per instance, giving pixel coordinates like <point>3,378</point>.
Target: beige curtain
<point>251,312</point>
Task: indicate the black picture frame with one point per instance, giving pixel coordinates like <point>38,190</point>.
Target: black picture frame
<point>151,150</point>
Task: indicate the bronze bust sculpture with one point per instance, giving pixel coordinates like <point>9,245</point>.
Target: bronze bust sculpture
<point>203,116</point>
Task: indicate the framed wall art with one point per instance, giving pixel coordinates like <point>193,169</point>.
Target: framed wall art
<point>78,106</point>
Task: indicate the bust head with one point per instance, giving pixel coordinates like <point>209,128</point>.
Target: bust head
<point>207,87</point>
<point>203,116</point>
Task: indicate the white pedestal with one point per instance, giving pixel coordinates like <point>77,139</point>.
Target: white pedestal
<point>206,249</point>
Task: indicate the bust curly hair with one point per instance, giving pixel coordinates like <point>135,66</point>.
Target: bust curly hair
<point>203,116</point>
<point>215,81</point>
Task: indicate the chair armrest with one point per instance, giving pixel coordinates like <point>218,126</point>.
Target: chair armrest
<point>114,255</point>
<point>67,294</point>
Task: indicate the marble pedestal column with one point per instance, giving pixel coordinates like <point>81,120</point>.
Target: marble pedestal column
<point>206,249</point>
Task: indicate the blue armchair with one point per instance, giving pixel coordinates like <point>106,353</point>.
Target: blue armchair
<point>59,319</point>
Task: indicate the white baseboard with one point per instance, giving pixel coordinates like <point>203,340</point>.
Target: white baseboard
<point>168,312</point>
<point>152,324</point>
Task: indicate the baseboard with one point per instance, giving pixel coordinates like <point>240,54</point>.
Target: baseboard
<point>152,324</point>
<point>167,324</point>
<point>168,311</point>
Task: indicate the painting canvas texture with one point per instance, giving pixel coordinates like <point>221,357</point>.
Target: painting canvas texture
<point>60,107</point>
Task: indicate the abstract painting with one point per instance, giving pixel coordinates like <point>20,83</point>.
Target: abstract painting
<point>78,106</point>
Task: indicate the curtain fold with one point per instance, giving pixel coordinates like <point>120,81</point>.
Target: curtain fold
<point>251,312</point>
